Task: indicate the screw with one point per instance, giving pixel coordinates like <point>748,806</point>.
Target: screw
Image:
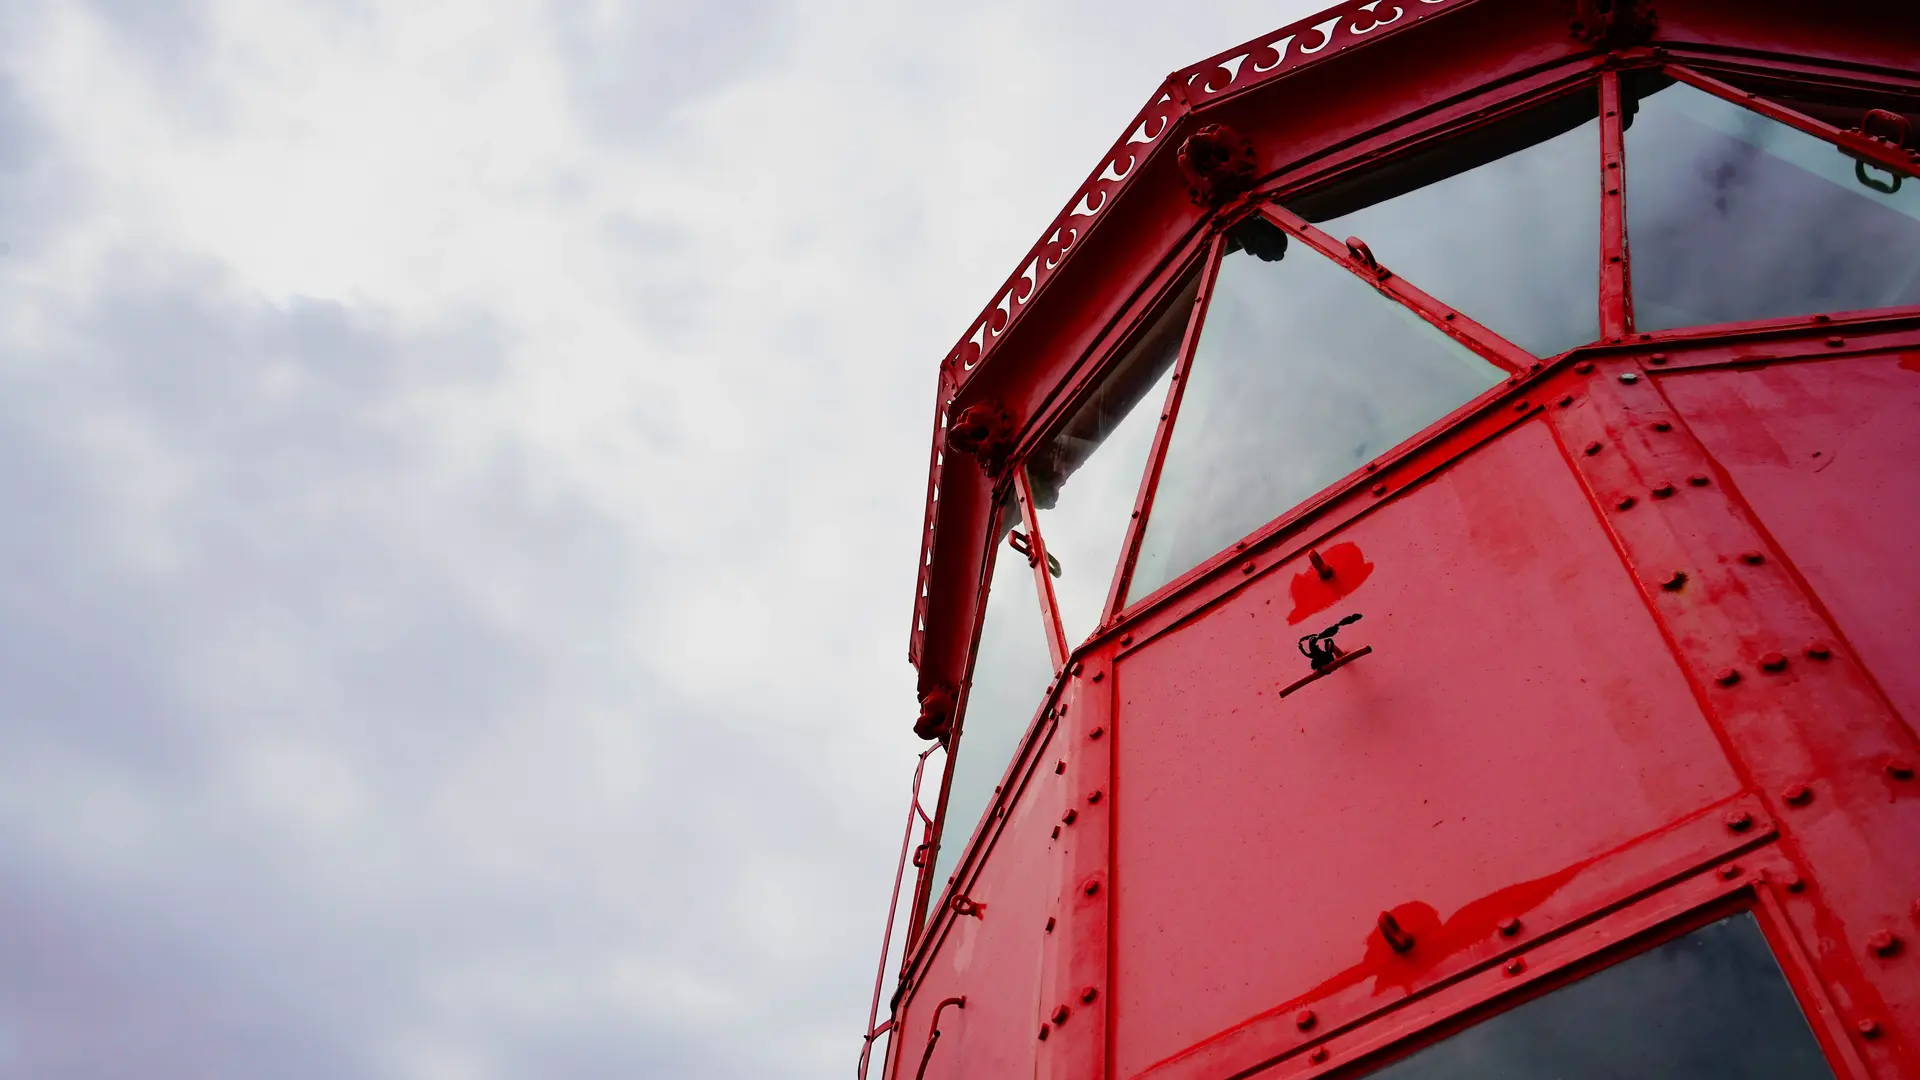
<point>1730,871</point>
<point>1059,1014</point>
<point>1819,650</point>
<point>1516,965</point>
<point>1699,480</point>
<point>1317,1055</point>
<point>1663,489</point>
<point>1070,816</point>
<point>1303,1019</point>
<point>1092,886</point>
<point>1565,401</point>
<point>1509,926</point>
<point>1739,820</point>
<point>1629,377</point>
<point>1087,994</point>
<point>1674,581</point>
<point>1096,733</point>
<point>1658,358</point>
<point>1752,558</point>
<point>1583,367</point>
<point>1773,661</point>
<point>1626,502</point>
<point>1093,796</point>
<point>1900,769</point>
<point>1868,1028</point>
<point>1884,943</point>
<point>1593,448</point>
<point>1797,794</point>
<point>1727,677</point>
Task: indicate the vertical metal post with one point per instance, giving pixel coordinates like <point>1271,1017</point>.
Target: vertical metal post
<point>1042,579</point>
<point>1616,285</point>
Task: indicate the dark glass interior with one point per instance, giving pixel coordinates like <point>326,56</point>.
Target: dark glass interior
<point>1712,1005</point>
<point>1733,217</point>
<point>1085,477</point>
<point>1011,670</point>
<point>1303,372</point>
<point>1502,223</point>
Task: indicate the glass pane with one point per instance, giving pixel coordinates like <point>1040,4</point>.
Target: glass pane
<point>1011,670</point>
<point>1732,216</point>
<point>1503,224</point>
<point>1086,477</point>
<point>1709,1006</point>
<point>1303,373</point>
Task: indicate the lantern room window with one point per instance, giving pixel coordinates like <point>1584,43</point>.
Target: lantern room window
<point>1712,1005</point>
<point>1733,216</point>
<point>1303,372</point>
<point>1502,223</point>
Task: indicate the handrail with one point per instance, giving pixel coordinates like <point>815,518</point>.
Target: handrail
<point>934,1035</point>
<point>914,810</point>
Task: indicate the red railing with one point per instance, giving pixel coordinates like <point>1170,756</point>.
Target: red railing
<point>876,1028</point>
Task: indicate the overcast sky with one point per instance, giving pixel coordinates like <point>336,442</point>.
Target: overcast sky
<point>462,466</point>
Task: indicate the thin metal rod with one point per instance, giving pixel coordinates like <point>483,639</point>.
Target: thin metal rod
<point>1859,146</point>
<point>1169,412</point>
<point>1042,579</point>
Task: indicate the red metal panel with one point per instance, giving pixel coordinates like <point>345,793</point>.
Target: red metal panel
<point>1517,719</point>
<point>1825,455</point>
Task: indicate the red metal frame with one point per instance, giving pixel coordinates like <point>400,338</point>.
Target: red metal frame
<point>1581,396</point>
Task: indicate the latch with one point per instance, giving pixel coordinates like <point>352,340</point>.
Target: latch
<point>1323,655</point>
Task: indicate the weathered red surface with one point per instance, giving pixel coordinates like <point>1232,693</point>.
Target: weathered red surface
<point>1640,621</point>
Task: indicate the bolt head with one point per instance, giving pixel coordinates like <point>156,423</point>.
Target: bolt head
<point>1663,425</point>
<point>1663,489</point>
<point>1868,1028</point>
<point>1739,820</point>
<point>1583,367</point>
<point>1752,558</point>
<point>1096,733</point>
<point>1070,816</point>
<point>1727,677</point>
<point>1730,871</point>
<point>1797,794</point>
<point>1794,882</point>
<point>1566,401</point>
<point>1515,966</point>
<point>1883,943</point>
<point>1078,666</point>
<point>1900,769</point>
<point>1699,480</point>
<point>1629,377</point>
<point>1303,1019</point>
<point>1835,342</point>
<point>1819,650</point>
<point>1098,675</point>
<point>1092,886</point>
<point>1246,567</point>
<point>1093,796</point>
<point>1043,1032</point>
<point>1509,926</point>
<point>1379,489</point>
<point>1658,358</point>
<point>1672,582</point>
<point>1318,1055</point>
<point>1773,661</point>
<point>1059,1014</point>
<point>1521,405</point>
<point>1593,448</point>
<point>1087,994</point>
<point>1626,502</point>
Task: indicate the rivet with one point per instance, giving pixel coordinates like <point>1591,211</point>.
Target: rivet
<point>1797,794</point>
<point>1060,1014</point>
<point>1626,502</point>
<point>1093,796</point>
<point>1303,1019</point>
<point>1629,377</point>
<point>1246,567</point>
<point>1884,943</point>
<point>1663,489</point>
<point>1516,965</point>
<point>1730,871</point>
<point>1658,358</point>
<point>1583,367</point>
<point>1868,1028</point>
<point>1593,448</point>
<point>1613,259</point>
<point>1059,767</point>
<point>1056,832</point>
<point>1794,882</point>
<point>1662,425</point>
<point>1126,639</point>
<point>1699,480</point>
<point>1049,924</point>
<point>1317,1055</point>
<point>1098,675</point>
<point>1509,926</point>
<point>1565,401</point>
<point>1816,318</point>
<point>1646,337</point>
<point>1819,650</point>
<point>1078,667</point>
<point>1727,677</point>
<point>1380,489</point>
<point>1773,661</point>
<point>1449,316</point>
<point>1675,581</point>
<point>1241,546</point>
<point>1087,994</point>
<point>1900,769</point>
<point>1092,886</point>
<point>1043,1032</point>
<point>1070,816</point>
<point>1739,820</point>
<point>1752,558</point>
<point>1835,342</point>
<point>1520,406</point>
<point>1096,733</point>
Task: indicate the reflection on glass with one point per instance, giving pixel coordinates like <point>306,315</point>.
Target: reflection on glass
<point>1709,1006</point>
<point>1503,224</point>
<point>1086,477</point>
<point>1011,670</point>
<point>1302,374</point>
<point>1732,216</point>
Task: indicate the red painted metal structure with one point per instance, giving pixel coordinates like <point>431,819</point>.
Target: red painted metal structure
<point>1639,617</point>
